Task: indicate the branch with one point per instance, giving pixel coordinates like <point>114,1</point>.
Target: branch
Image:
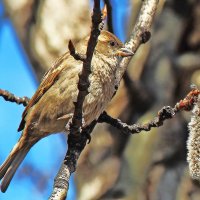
<point>12,98</point>
<point>83,83</point>
<point>109,16</point>
<point>166,112</point>
<point>75,147</point>
<point>75,54</point>
<point>77,138</point>
<point>140,33</point>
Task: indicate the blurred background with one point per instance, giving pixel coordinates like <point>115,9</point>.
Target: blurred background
<point>147,166</point>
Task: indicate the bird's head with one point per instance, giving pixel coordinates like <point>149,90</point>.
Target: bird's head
<point>109,45</point>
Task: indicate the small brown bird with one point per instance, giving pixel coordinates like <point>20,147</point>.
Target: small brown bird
<point>51,107</point>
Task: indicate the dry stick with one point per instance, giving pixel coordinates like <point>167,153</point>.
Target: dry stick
<point>12,98</point>
<point>166,112</point>
<point>140,33</point>
<point>77,137</point>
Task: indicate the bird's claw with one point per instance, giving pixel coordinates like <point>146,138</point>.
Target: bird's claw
<point>88,137</point>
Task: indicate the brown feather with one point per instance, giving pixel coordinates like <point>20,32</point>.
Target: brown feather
<point>48,80</point>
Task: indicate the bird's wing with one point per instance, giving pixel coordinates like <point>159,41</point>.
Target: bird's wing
<point>50,77</point>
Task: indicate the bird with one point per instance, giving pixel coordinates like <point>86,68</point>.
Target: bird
<point>52,106</point>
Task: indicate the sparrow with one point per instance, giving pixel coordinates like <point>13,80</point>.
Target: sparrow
<point>52,106</point>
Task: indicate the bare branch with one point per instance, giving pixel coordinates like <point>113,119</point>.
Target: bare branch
<point>140,33</point>
<point>75,147</point>
<point>83,83</point>
<point>166,112</point>
<point>77,138</point>
<point>12,98</point>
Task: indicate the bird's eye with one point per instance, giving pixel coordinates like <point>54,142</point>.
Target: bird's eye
<point>112,43</point>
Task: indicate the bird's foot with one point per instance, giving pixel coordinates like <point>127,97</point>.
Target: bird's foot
<point>88,136</point>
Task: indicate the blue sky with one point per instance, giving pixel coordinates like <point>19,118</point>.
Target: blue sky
<point>36,174</point>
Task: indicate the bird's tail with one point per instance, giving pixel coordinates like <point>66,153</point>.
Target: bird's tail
<point>9,167</point>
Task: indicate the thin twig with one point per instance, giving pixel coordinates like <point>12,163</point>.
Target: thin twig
<point>167,112</point>
<point>12,98</point>
<point>75,54</point>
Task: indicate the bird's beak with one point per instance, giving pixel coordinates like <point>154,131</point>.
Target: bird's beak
<point>124,52</point>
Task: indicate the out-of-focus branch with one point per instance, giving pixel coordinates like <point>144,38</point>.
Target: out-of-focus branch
<point>77,138</point>
<point>109,15</point>
<point>140,34</point>
<point>12,98</point>
<point>188,61</point>
<point>167,112</point>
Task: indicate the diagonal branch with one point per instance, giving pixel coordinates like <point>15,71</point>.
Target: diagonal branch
<point>166,112</point>
<point>140,33</point>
